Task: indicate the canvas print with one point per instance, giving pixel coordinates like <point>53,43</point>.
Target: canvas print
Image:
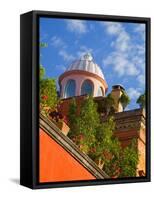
<point>92,93</point>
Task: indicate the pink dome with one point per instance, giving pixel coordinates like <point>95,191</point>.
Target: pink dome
<point>83,76</point>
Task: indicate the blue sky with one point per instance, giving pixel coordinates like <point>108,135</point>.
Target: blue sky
<point>118,48</point>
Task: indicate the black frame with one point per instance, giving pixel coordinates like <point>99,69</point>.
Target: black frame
<point>29,98</point>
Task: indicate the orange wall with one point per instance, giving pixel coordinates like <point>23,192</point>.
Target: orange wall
<point>126,137</point>
<point>56,164</point>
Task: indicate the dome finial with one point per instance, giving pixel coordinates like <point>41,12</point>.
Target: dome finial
<point>88,56</point>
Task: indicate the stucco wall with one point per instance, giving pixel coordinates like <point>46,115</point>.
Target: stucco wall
<point>56,164</point>
<point>142,151</point>
<point>125,137</point>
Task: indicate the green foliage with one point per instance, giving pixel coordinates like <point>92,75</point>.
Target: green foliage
<point>124,99</point>
<point>87,123</point>
<point>108,105</point>
<point>96,139</point>
<point>107,147</point>
<point>129,160</point>
<point>83,126</point>
<point>141,101</point>
<point>48,92</point>
<point>73,118</point>
<point>43,44</point>
<point>42,72</point>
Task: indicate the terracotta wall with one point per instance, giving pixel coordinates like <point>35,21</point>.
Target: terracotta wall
<point>142,152</point>
<point>56,164</point>
<point>126,137</point>
<point>64,106</point>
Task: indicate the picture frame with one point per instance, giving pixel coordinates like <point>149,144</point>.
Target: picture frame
<point>33,167</point>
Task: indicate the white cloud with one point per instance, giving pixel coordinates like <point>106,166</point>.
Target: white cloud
<point>140,29</point>
<point>127,58</point>
<point>57,42</point>
<point>77,26</point>
<point>113,28</point>
<point>141,79</point>
<point>122,40</point>
<point>117,61</point>
<point>133,93</point>
<point>122,43</point>
<point>122,65</point>
<point>141,49</point>
<point>132,70</point>
<point>66,56</point>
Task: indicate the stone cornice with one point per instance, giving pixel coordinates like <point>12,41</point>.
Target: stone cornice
<point>128,120</point>
<point>129,124</point>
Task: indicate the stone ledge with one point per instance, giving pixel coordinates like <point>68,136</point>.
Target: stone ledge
<point>128,120</point>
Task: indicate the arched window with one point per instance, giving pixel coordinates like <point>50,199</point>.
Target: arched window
<point>70,89</point>
<point>87,88</point>
<point>100,91</point>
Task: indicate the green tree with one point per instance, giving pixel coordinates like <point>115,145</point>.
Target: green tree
<point>106,106</point>
<point>83,125</point>
<point>97,140</point>
<point>106,148</point>
<point>110,156</point>
<point>72,118</point>
<point>48,93</point>
<point>141,101</point>
<point>42,72</point>
<point>124,99</point>
<point>87,123</point>
<point>109,104</point>
<point>129,160</point>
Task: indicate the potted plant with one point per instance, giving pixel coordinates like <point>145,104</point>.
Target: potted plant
<point>60,121</point>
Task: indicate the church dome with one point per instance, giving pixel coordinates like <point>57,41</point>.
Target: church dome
<point>86,63</point>
<point>82,77</point>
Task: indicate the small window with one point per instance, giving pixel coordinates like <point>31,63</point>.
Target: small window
<point>70,89</point>
<point>87,88</point>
